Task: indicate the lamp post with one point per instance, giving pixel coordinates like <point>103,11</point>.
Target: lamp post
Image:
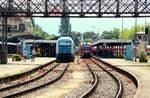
<point>135,44</point>
<point>122,34</point>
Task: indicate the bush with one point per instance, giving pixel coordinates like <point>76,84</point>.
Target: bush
<point>16,57</point>
<point>38,54</point>
<point>143,57</point>
<point>120,56</point>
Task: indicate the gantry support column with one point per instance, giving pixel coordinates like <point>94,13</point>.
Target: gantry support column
<point>4,41</point>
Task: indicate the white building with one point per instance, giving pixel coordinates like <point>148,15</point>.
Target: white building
<point>18,25</point>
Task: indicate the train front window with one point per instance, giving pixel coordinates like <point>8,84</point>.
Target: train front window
<point>65,47</point>
<point>66,43</point>
<point>86,48</point>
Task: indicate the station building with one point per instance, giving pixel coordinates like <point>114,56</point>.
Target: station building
<point>18,26</point>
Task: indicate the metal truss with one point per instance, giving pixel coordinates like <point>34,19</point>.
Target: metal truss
<point>75,8</point>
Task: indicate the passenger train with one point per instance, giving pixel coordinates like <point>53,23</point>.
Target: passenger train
<point>65,49</point>
<point>86,50</point>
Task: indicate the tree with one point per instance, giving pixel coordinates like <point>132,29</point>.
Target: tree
<point>128,33</point>
<point>90,37</point>
<point>113,34</point>
<point>76,36</point>
<point>106,35</point>
<point>65,26</point>
<point>39,32</point>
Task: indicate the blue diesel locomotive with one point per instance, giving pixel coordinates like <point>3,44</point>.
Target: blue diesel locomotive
<point>65,49</point>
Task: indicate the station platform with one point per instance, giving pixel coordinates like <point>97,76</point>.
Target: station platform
<point>15,67</point>
<point>140,70</point>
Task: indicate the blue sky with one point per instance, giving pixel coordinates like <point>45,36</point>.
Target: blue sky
<point>51,25</point>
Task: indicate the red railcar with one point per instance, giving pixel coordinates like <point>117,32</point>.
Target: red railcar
<point>86,50</point>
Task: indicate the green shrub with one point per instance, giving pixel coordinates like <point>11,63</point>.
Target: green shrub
<point>38,54</point>
<point>120,56</point>
<point>143,57</point>
<point>16,57</point>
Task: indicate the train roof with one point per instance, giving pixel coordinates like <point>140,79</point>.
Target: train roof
<point>65,38</point>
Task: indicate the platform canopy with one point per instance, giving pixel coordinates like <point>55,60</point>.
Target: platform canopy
<point>112,42</point>
<point>40,41</point>
<point>9,43</point>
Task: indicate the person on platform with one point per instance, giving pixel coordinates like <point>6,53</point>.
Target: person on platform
<point>25,54</point>
<point>33,55</point>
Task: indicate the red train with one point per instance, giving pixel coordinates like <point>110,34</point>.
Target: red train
<point>86,50</point>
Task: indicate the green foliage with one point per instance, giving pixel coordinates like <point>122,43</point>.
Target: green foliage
<point>143,57</point>
<point>39,32</point>
<point>90,37</point>
<point>65,26</point>
<point>76,36</point>
<point>16,57</point>
<point>38,54</point>
<point>54,37</point>
<point>120,56</point>
<point>113,34</point>
<point>129,33</point>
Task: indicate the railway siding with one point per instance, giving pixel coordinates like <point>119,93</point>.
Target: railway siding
<point>139,70</point>
<point>48,78</point>
<point>128,80</point>
<point>108,86</point>
<point>76,80</point>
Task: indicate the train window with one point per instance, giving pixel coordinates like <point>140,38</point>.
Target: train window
<point>64,43</point>
<point>86,47</point>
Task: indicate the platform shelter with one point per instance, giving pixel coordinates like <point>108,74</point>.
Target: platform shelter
<point>47,48</point>
<point>110,48</point>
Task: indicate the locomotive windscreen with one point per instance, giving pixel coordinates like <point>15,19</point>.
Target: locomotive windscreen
<point>86,47</point>
<point>65,43</point>
<point>65,47</point>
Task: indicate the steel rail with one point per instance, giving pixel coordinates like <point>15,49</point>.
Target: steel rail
<point>27,81</point>
<point>16,94</point>
<point>118,81</point>
<point>94,86</point>
<point>26,73</point>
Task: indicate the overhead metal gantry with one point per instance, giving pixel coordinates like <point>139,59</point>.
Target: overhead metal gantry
<point>75,8</point>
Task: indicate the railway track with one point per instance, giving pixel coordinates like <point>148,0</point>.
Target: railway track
<point>128,82</point>
<point>76,80</point>
<point>101,77</point>
<point>46,69</point>
<point>92,89</point>
<point>8,82</point>
<point>102,81</point>
<point>35,83</point>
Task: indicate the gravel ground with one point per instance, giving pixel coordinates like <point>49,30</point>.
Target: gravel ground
<point>42,80</point>
<point>71,85</point>
<point>107,86</point>
<point>26,77</point>
<point>129,88</point>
